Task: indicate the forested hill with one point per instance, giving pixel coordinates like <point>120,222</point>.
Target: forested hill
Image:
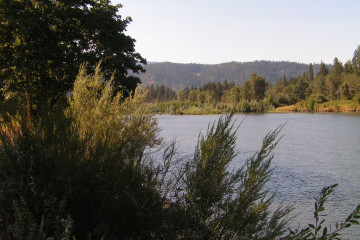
<point>177,76</point>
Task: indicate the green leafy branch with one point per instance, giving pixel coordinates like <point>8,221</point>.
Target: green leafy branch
<point>313,231</point>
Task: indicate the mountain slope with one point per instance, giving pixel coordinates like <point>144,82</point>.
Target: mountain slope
<point>178,76</point>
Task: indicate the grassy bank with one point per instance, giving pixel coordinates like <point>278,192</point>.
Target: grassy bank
<point>329,106</point>
<point>192,108</point>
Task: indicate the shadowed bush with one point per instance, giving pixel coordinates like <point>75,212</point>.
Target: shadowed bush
<point>86,173</point>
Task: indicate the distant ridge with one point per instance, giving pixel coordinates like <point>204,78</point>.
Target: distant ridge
<point>180,75</point>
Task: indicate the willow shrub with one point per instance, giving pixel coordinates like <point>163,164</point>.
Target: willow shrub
<point>222,203</point>
<point>81,172</point>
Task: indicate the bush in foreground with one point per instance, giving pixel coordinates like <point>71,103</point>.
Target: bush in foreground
<point>85,173</point>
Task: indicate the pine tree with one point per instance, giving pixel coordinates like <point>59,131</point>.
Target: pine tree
<point>323,70</point>
<point>337,67</point>
<point>356,60</point>
<point>311,72</point>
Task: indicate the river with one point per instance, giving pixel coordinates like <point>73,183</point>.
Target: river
<point>316,150</point>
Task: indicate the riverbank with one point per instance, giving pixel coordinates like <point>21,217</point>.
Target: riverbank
<point>191,108</point>
<point>329,106</point>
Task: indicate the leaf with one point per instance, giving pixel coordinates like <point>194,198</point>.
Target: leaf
<point>347,225</point>
<point>312,226</point>
<point>324,231</point>
<point>354,222</point>
<point>319,228</point>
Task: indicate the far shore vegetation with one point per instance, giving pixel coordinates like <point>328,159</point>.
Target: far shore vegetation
<point>330,90</point>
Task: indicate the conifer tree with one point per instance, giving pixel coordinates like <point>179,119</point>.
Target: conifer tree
<point>356,60</point>
<point>337,67</point>
<point>323,70</point>
<point>311,72</point>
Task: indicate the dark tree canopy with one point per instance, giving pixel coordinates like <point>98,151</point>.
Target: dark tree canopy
<point>43,43</point>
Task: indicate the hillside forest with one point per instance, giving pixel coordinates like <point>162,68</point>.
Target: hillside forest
<point>334,88</point>
<point>180,75</point>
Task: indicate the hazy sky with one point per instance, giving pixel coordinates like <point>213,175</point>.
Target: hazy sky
<point>217,31</point>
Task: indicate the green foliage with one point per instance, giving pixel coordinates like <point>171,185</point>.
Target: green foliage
<point>337,67</point>
<point>159,93</point>
<point>178,76</point>
<point>356,61</point>
<point>319,85</point>
<point>253,106</point>
<point>317,230</point>
<point>311,72</point>
<point>216,90</point>
<point>212,98</point>
<point>323,70</point>
<point>33,173</point>
<point>344,91</point>
<point>339,83</point>
<point>225,204</point>
<point>258,86</point>
<point>357,98</point>
<point>72,32</point>
<point>313,101</point>
<point>82,173</point>
<point>85,173</point>
<point>108,118</point>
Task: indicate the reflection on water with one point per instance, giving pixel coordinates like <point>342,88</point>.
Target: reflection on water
<point>316,150</point>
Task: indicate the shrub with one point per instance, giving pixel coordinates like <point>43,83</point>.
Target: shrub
<point>313,101</point>
<point>221,203</point>
<point>81,172</point>
<point>85,173</point>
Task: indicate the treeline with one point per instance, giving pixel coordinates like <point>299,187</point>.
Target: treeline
<point>341,82</point>
<point>212,98</point>
<point>335,89</point>
<point>162,93</point>
<point>178,76</point>
<point>159,93</point>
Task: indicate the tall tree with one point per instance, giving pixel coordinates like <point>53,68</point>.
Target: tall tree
<point>311,72</point>
<point>300,88</point>
<point>348,67</point>
<point>337,68</point>
<point>246,92</point>
<point>43,43</point>
<point>323,70</point>
<point>356,60</point>
<point>258,86</point>
<point>319,85</point>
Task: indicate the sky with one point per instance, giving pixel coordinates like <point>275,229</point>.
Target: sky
<point>218,31</point>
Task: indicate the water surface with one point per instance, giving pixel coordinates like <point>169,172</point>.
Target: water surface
<point>316,150</point>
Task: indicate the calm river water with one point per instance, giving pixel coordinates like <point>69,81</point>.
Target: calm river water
<point>316,150</point>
